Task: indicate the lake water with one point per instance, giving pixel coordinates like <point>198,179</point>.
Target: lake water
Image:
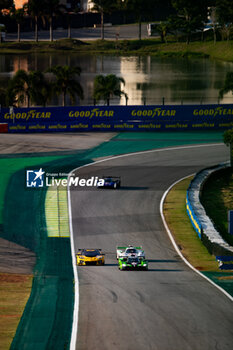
<point>149,79</point>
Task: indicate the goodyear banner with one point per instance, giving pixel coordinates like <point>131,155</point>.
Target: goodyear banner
<point>117,118</point>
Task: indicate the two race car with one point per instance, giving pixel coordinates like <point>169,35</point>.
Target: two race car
<point>90,257</point>
<point>129,257</point>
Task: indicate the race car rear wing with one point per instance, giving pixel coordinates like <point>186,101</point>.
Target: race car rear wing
<point>124,248</point>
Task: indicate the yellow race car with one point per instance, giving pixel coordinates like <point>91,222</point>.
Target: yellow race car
<point>90,257</point>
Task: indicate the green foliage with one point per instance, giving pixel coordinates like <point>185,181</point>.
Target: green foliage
<point>108,86</point>
<point>228,85</point>
<point>106,6</point>
<point>141,9</point>
<point>228,140</point>
<point>190,16</point>
<point>228,137</point>
<point>35,9</point>
<point>66,82</point>
<point>224,10</point>
<point>217,196</point>
<point>29,86</point>
<point>52,8</point>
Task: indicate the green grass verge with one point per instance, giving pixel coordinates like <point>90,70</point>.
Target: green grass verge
<point>187,240</point>
<point>217,198</point>
<point>28,227</point>
<point>56,212</point>
<point>127,142</point>
<point>47,318</point>
<point>222,50</point>
<point>9,166</point>
<point>14,293</point>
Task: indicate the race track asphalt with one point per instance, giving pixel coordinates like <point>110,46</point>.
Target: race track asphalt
<point>169,307</point>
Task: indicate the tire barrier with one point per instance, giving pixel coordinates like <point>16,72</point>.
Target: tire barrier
<point>202,223</point>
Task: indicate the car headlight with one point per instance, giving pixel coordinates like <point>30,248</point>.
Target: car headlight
<point>123,264</point>
<point>144,264</point>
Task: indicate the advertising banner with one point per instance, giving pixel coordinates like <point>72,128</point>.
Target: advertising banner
<point>116,118</point>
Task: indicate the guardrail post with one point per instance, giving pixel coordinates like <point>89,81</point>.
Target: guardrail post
<point>163,101</point>
<point>144,101</point>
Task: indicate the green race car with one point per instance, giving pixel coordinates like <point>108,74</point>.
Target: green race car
<point>132,263</point>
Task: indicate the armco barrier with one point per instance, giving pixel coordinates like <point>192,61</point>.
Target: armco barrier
<point>118,118</point>
<point>194,220</point>
<point>202,223</point>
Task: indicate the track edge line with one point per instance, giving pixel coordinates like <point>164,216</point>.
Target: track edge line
<point>76,280</point>
<point>175,245</point>
<point>76,305</point>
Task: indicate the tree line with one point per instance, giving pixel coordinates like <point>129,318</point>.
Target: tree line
<point>188,16</point>
<point>38,88</point>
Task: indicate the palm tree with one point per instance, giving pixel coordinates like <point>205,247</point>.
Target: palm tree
<point>18,15</point>
<point>163,29</point>
<point>29,86</point>
<point>108,86</point>
<point>103,6</point>
<point>8,95</point>
<point>228,140</point>
<point>66,82</point>
<point>228,85</point>
<point>141,8</point>
<point>51,8</point>
<point>35,8</point>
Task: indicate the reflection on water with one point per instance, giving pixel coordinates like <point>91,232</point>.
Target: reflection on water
<point>148,79</point>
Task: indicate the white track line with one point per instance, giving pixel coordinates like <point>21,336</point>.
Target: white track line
<point>76,281</point>
<point>175,245</point>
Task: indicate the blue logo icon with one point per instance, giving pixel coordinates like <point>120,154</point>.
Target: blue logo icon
<point>35,178</point>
